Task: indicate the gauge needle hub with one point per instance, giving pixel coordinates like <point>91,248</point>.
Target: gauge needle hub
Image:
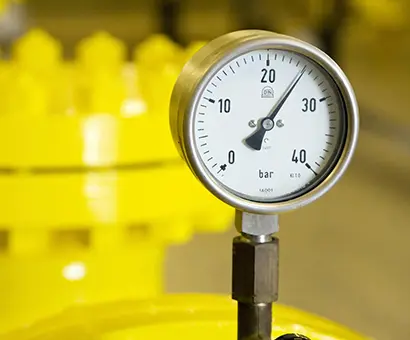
<point>254,141</point>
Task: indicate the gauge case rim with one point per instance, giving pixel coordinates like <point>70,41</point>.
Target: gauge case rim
<point>197,73</point>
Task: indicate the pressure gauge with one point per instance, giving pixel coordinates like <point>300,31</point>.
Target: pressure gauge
<point>266,122</point>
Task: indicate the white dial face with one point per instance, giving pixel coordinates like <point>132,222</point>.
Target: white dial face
<point>269,125</point>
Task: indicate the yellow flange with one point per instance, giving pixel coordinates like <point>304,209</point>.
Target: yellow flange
<point>91,187</point>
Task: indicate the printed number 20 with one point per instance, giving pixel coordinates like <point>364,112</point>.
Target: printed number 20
<point>268,75</point>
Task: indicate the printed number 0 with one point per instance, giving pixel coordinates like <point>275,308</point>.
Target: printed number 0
<point>231,157</point>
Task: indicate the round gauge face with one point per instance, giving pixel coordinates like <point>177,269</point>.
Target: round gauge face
<point>269,125</point>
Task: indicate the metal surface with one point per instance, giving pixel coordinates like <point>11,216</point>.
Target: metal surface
<point>255,268</point>
<point>254,321</point>
<point>255,286</point>
<point>292,337</point>
<point>255,274</point>
<point>256,225</point>
<point>196,75</point>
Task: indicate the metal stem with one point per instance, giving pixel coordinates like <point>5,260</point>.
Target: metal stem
<point>258,238</point>
<point>255,274</point>
<point>254,321</point>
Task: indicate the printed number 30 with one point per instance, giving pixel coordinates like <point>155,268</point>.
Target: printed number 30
<point>309,104</point>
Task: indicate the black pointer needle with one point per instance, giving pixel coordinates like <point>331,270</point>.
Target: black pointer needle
<point>254,141</point>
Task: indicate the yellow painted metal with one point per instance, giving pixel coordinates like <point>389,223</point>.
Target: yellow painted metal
<point>159,62</point>
<point>91,187</point>
<point>173,317</point>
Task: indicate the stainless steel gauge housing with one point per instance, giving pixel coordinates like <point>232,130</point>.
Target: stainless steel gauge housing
<point>242,48</point>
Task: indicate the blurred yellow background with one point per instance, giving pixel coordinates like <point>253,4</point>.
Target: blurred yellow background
<point>344,257</point>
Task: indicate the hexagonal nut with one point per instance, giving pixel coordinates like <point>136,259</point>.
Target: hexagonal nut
<point>255,224</point>
<point>255,269</point>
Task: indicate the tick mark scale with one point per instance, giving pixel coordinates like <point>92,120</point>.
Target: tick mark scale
<point>270,145</point>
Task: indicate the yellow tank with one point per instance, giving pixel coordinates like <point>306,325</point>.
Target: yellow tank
<point>90,182</point>
<point>178,317</point>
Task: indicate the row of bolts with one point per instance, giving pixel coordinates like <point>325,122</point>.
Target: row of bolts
<point>37,81</point>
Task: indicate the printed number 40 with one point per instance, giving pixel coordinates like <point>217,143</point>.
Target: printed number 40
<point>299,156</point>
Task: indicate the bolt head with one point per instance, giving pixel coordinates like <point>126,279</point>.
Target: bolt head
<point>252,123</point>
<point>279,123</point>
